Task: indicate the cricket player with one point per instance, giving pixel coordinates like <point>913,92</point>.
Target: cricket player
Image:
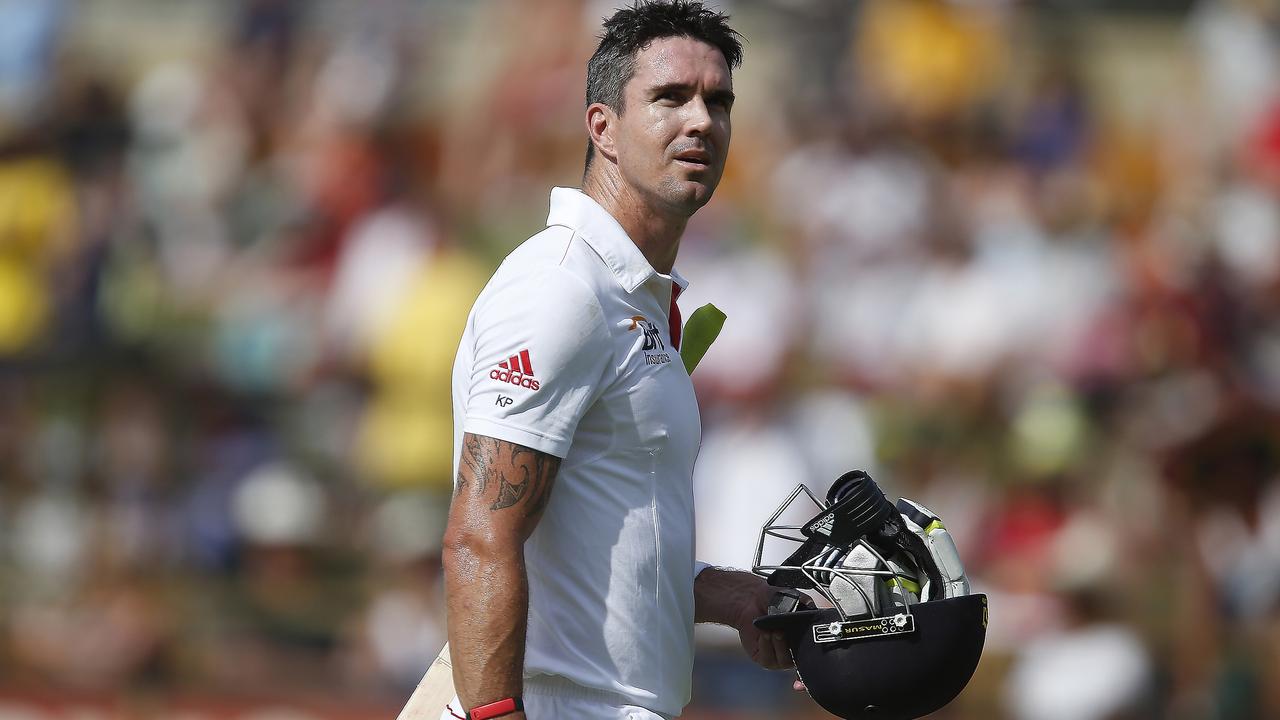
<point>570,576</point>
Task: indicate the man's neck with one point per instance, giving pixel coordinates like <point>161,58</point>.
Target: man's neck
<point>655,232</point>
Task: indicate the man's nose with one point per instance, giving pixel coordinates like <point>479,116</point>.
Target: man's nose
<point>698,121</point>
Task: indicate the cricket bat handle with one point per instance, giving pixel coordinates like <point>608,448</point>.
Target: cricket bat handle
<point>434,691</point>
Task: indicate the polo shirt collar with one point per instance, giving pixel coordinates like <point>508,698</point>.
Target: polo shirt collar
<point>574,209</point>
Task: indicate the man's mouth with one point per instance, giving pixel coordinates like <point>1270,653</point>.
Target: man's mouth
<point>698,158</point>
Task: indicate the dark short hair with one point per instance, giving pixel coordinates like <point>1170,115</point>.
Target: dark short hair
<point>632,28</point>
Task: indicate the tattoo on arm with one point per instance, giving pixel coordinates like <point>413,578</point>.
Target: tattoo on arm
<point>523,476</point>
<point>473,452</point>
<point>532,473</point>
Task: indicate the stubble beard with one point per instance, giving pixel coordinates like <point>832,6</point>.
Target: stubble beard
<point>685,196</point>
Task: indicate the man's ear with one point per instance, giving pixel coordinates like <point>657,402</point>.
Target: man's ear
<point>601,122</point>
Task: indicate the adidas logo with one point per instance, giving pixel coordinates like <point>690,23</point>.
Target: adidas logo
<point>517,370</point>
<point>824,525</point>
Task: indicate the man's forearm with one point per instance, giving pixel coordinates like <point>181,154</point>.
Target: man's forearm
<point>488,600</point>
<point>736,598</point>
<point>722,596</point>
<point>501,492</point>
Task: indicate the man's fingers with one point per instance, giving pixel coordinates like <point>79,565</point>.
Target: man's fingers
<point>780,650</point>
<point>764,651</point>
<point>798,685</point>
<point>771,652</point>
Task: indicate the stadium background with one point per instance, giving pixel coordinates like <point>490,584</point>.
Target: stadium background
<point>1019,259</point>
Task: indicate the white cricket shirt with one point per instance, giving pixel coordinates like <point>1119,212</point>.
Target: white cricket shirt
<point>567,351</point>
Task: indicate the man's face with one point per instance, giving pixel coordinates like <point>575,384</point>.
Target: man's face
<point>673,135</point>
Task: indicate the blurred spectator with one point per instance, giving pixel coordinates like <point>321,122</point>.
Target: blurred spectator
<point>280,620</point>
<point>402,627</point>
<point>1091,670</point>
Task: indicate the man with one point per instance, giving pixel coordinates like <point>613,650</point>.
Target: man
<point>569,566</point>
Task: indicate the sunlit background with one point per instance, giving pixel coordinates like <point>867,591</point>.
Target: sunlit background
<point>1021,260</point>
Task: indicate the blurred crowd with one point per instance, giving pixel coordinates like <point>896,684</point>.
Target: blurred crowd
<point>1021,261</point>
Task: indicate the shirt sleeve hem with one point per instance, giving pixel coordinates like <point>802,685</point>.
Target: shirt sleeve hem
<point>519,435</point>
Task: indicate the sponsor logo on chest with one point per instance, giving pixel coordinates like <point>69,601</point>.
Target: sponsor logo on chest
<point>655,350</point>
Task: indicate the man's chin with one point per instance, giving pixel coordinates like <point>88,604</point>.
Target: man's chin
<point>690,194</point>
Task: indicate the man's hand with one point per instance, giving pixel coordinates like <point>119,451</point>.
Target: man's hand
<point>766,649</point>
<point>736,599</point>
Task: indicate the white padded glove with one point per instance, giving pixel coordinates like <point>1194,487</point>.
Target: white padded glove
<point>928,527</point>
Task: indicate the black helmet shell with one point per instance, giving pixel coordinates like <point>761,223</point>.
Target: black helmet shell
<point>890,677</point>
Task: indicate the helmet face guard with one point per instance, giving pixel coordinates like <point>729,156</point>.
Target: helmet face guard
<point>902,636</point>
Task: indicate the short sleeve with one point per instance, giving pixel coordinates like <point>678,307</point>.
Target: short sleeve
<point>540,355</point>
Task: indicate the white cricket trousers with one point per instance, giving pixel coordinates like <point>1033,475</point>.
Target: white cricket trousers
<point>553,698</point>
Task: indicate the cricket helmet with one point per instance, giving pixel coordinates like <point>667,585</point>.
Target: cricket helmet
<point>903,634</point>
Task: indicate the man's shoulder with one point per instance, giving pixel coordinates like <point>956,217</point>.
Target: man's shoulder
<point>554,263</point>
<point>546,276</point>
<point>544,250</point>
